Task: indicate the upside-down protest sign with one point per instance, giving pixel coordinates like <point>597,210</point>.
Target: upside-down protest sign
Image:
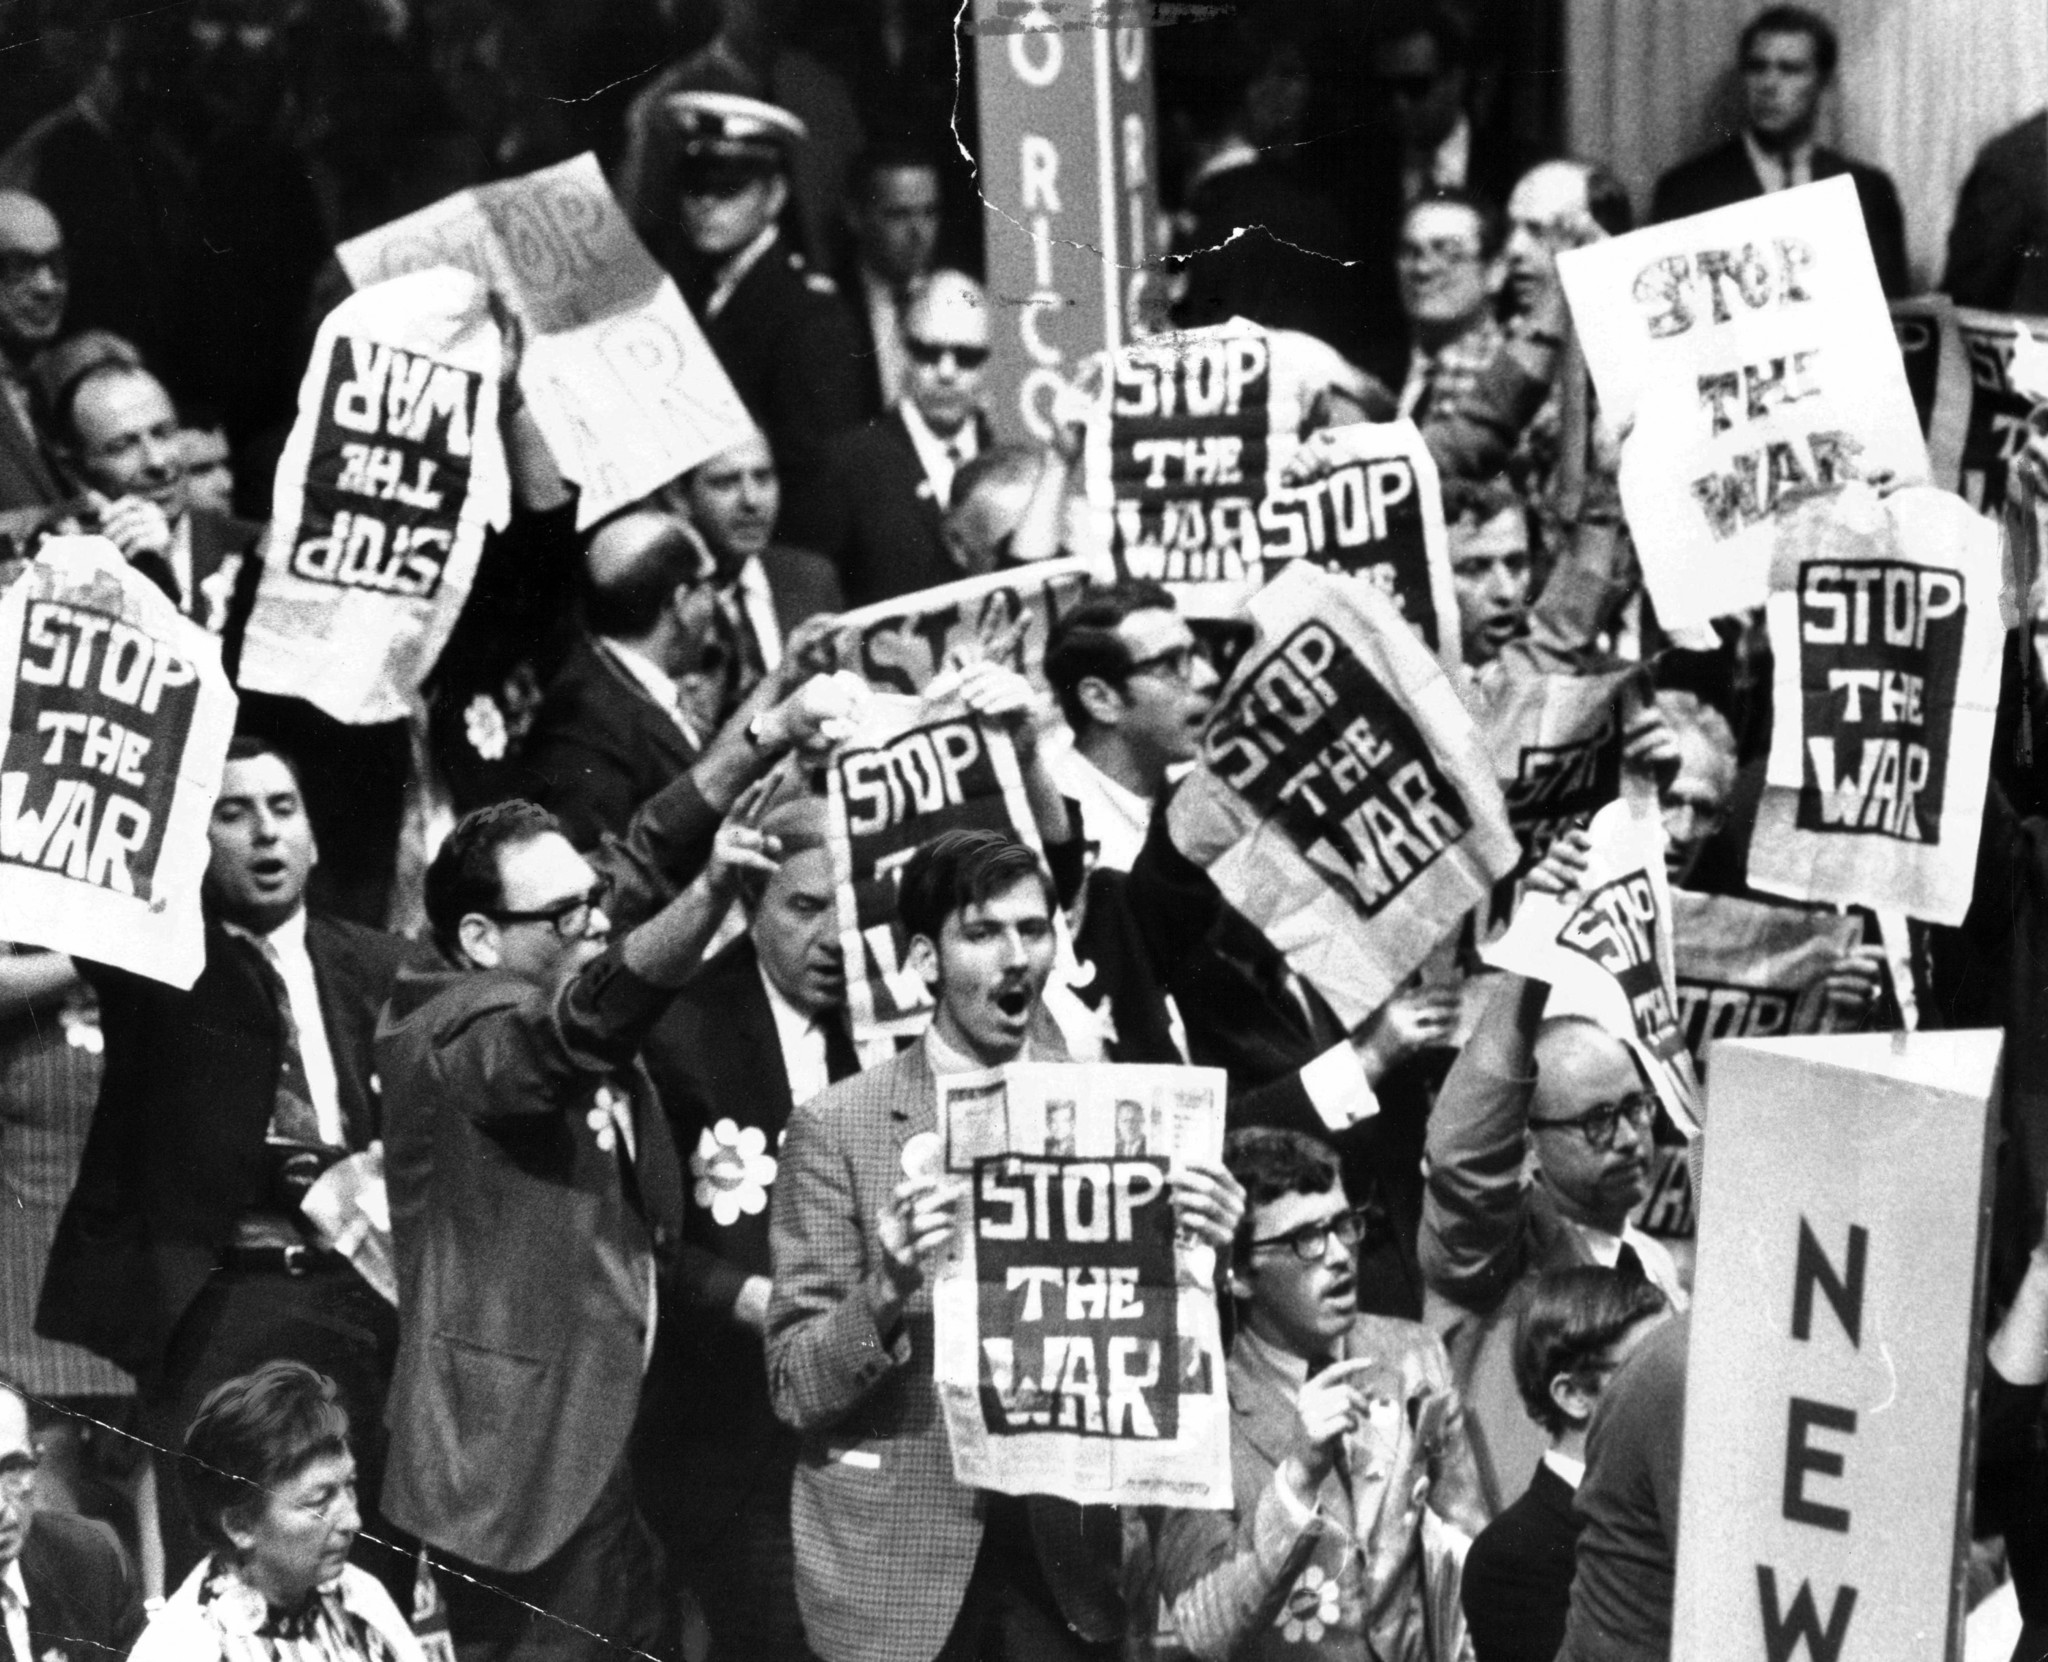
<point>621,381</point>
<point>1076,1338</point>
<point>1341,802</point>
<point>1751,353</point>
<point>1605,952</point>
<point>393,472</point>
<point>911,769</point>
<point>1886,635</point>
<point>116,715</point>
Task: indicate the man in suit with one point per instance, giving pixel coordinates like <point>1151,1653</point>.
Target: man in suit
<point>782,331</point>
<point>1998,242</point>
<point>534,1195</point>
<point>183,1255</point>
<point>116,433</point>
<point>1573,1093</point>
<point>735,502</point>
<point>1788,59</point>
<point>894,217</point>
<point>879,507</point>
<point>1448,271</point>
<point>760,1029</point>
<point>1580,1326</point>
<point>67,1591</point>
<point>34,282</point>
<point>615,724</point>
<point>895,1560</point>
<point>1337,1422</point>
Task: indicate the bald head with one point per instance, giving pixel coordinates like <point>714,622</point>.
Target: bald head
<point>632,566</point>
<point>1583,1070</point>
<point>33,280</point>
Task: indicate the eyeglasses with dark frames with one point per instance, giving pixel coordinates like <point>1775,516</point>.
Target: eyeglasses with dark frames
<point>570,919</point>
<point>930,353</point>
<point>1311,1241</point>
<point>1601,1125</point>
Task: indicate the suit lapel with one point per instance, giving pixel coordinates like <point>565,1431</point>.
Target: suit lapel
<point>25,454</point>
<point>344,1013</point>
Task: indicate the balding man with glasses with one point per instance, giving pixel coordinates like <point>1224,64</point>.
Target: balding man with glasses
<point>1571,1092</point>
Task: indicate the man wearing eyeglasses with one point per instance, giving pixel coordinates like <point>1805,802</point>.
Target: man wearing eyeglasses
<point>782,331</point>
<point>35,281</point>
<point>1571,1093</point>
<point>879,508</point>
<point>535,1193</point>
<point>1447,266</point>
<point>1344,1428</point>
<point>66,1587</point>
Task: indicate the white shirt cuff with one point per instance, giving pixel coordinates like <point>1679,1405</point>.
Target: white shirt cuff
<point>1337,1088</point>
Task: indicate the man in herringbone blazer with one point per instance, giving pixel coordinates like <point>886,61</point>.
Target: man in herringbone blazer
<point>895,1560</point>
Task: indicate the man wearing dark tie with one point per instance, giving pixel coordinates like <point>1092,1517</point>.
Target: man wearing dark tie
<point>67,1591</point>
<point>183,1254</point>
<point>34,284</point>
<point>878,509</point>
<point>761,1029</point>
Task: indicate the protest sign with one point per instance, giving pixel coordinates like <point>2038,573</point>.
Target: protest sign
<point>1341,802</point>
<point>1751,970</point>
<point>392,473</point>
<point>117,716</point>
<point>900,645</point>
<point>1076,1342</point>
<point>2004,410</point>
<point>1605,952</point>
<point>1751,353</point>
<point>1837,1326</point>
<point>1938,375</point>
<point>620,379</point>
<point>1886,639</point>
<point>910,769</point>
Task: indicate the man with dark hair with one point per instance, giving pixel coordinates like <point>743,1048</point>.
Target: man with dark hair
<point>1448,270</point>
<point>66,1587</point>
<point>183,1255</point>
<point>534,1193</point>
<point>893,212</point>
<point>1339,1422</point>
<point>782,331</point>
<point>895,1560</point>
<point>1135,687</point>
<point>1580,1325</point>
<point>614,726</point>
<point>761,1029</point>
<point>34,283</point>
<point>1489,537</point>
<point>1787,58</point>
<point>879,506</point>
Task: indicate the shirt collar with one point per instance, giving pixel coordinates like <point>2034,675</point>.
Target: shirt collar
<point>11,1577</point>
<point>736,270</point>
<point>1127,802</point>
<point>288,936</point>
<point>1572,1471</point>
<point>658,684</point>
<point>779,1005</point>
<point>945,1058</point>
<point>1770,164</point>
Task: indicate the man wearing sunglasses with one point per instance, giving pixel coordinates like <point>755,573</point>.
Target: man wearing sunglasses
<point>879,508</point>
<point>535,1191</point>
<point>782,331</point>
<point>1570,1092</point>
<point>1344,1426</point>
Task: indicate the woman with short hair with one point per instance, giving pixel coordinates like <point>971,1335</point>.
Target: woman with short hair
<point>270,1480</point>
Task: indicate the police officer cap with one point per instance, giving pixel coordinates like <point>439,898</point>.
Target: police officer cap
<point>723,127</point>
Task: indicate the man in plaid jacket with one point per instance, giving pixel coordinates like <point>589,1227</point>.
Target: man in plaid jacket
<point>895,1560</point>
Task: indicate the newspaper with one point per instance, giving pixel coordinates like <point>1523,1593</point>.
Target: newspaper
<point>1750,354</point>
<point>1077,1347</point>
<point>1605,951</point>
<point>911,769</point>
<point>116,716</point>
<point>393,471</point>
<point>1341,801</point>
<point>620,379</point>
<point>1886,638</point>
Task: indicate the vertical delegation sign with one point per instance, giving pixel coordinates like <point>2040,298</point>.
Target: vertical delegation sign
<point>1837,1326</point>
<point>1069,201</point>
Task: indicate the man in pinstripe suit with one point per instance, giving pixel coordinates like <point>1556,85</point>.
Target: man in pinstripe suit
<point>895,1560</point>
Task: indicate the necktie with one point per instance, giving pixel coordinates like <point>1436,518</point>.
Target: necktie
<point>293,1118</point>
<point>842,1061</point>
<point>1629,1264</point>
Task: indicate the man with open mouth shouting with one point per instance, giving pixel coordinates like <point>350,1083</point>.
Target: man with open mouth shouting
<point>895,1560</point>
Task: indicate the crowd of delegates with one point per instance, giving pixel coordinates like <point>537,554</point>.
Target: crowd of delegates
<point>652,1369</point>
